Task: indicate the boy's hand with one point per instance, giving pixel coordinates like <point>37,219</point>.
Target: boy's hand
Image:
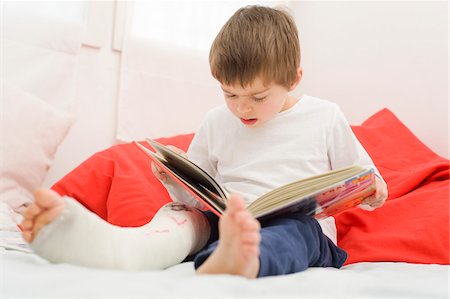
<point>380,196</point>
<point>160,173</point>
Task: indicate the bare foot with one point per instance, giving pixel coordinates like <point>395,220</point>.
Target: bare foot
<point>47,206</point>
<point>238,249</point>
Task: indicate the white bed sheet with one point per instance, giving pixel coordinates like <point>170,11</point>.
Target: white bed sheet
<point>26,275</point>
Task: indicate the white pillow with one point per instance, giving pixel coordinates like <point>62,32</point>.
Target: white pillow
<point>31,131</point>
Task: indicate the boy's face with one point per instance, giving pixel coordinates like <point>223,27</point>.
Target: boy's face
<point>256,104</point>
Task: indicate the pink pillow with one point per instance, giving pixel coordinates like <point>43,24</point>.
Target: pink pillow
<point>31,131</point>
<point>413,225</point>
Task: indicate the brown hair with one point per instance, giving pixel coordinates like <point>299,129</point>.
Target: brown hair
<point>256,42</point>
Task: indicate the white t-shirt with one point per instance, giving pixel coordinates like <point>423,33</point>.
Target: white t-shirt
<point>310,138</point>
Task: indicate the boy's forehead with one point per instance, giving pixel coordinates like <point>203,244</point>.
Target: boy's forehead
<point>254,87</point>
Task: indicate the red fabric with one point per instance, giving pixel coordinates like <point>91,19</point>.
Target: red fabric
<point>118,185</point>
<point>413,225</point>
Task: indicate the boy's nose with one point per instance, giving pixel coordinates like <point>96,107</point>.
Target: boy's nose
<point>243,108</point>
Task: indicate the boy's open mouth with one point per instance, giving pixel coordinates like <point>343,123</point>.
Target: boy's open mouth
<point>249,121</point>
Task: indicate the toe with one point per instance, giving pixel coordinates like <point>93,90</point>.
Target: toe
<point>31,212</point>
<point>27,236</point>
<point>251,238</point>
<point>235,203</point>
<point>47,198</point>
<point>250,250</point>
<point>27,224</point>
<point>45,218</point>
<point>251,224</point>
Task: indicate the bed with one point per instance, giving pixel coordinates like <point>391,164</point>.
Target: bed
<point>361,280</point>
<point>400,250</point>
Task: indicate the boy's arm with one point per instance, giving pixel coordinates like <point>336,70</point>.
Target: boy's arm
<point>179,194</point>
<point>176,192</point>
<point>197,153</point>
<point>345,149</point>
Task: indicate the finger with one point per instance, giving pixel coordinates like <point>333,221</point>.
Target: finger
<point>368,200</point>
<point>377,204</point>
<point>162,177</point>
<point>159,173</point>
<point>155,168</point>
<point>373,201</point>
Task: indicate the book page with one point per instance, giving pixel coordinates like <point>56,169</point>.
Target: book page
<point>324,194</point>
<point>306,186</point>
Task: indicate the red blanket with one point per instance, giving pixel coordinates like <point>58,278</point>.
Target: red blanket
<point>413,225</point>
<point>118,185</point>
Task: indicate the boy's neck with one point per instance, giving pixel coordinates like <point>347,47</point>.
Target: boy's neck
<point>290,102</point>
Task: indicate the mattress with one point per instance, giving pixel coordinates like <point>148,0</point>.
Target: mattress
<point>26,275</point>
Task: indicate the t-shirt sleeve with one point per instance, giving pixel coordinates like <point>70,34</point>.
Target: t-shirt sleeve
<point>199,150</point>
<point>344,148</point>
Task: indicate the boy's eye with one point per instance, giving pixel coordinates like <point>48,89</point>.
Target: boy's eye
<point>230,96</point>
<point>259,99</point>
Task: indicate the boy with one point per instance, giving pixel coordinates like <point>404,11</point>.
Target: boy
<point>265,138</point>
<point>262,139</point>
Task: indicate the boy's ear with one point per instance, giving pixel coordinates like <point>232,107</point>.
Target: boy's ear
<point>298,79</point>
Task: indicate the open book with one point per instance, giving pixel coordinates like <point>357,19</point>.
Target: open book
<point>319,196</point>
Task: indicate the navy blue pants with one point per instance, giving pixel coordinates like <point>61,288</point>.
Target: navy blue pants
<point>289,243</point>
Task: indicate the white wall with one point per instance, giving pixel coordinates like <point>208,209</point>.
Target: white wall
<point>95,108</point>
<point>363,55</point>
<point>366,55</point>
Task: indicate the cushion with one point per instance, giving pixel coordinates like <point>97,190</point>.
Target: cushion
<point>31,131</point>
<point>413,225</point>
<point>118,185</point>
